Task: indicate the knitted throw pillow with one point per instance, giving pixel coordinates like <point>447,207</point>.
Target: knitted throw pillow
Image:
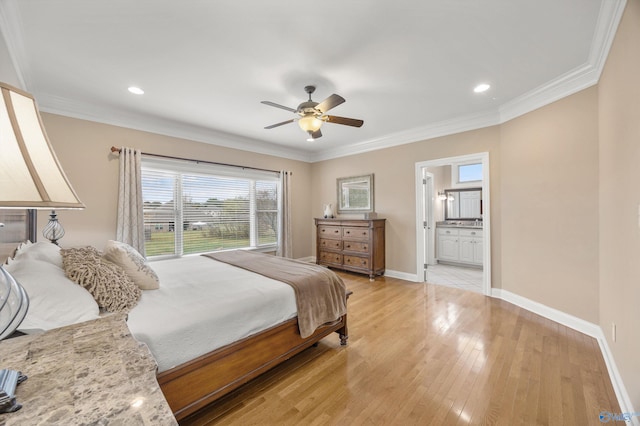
<point>109,284</point>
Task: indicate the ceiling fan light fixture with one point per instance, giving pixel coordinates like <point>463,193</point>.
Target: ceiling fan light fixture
<point>310,123</point>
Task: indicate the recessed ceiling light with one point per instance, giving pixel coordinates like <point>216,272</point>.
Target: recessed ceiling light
<point>483,87</point>
<point>136,90</point>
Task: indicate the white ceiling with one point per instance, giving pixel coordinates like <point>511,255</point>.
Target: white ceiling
<point>406,67</point>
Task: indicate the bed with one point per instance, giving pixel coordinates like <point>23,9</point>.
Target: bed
<point>209,336</point>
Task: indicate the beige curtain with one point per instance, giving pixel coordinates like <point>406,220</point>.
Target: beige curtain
<point>130,226</point>
<point>285,246</point>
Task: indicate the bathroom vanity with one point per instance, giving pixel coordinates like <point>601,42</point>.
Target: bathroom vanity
<point>460,242</point>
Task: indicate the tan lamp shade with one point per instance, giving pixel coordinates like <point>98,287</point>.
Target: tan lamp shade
<point>30,174</point>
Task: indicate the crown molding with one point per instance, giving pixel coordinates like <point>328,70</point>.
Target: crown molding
<point>434,130</point>
<point>580,78</point>
<point>131,120</point>
<point>608,20</point>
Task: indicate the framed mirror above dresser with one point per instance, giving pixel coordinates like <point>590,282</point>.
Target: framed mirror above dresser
<point>355,194</point>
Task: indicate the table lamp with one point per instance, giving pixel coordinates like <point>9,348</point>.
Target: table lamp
<point>30,178</point>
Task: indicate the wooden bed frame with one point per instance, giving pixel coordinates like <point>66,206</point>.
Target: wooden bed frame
<point>194,384</point>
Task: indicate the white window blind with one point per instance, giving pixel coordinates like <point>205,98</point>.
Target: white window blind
<point>194,208</point>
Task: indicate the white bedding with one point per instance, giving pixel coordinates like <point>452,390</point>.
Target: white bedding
<point>203,305</point>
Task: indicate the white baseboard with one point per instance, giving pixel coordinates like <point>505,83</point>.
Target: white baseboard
<point>401,275</point>
<point>563,318</point>
<point>582,326</point>
<point>388,273</point>
<point>586,327</point>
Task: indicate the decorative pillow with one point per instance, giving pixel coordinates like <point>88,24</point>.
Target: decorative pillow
<point>45,251</point>
<point>133,263</point>
<point>20,247</point>
<point>107,282</point>
<point>54,300</point>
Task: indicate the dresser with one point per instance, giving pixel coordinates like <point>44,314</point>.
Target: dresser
<point>355,245</point>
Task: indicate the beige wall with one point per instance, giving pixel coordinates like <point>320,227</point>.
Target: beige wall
<point>394,170</point>
<point>564,198</point>
<point>550,205</point>
<point>83,148</point>
<point>619,102</point>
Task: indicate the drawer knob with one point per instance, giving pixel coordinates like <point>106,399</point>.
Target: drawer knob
<point>473,233</point>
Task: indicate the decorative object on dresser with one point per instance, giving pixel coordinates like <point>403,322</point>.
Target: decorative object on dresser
<point>328,211</point>
<point>352,245</point>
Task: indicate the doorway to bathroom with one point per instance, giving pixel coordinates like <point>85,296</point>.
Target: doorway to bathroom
<point>453,222</point>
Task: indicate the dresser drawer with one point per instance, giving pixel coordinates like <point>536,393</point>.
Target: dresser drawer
<point>330,258</point>
<point>356,261</point>
<point>355,233</point>
<point>330,244</point>
<point>356,246</point>
<point>330,232</point>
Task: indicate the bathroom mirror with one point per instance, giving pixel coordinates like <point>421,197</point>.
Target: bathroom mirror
<point>355,194</point>
<point>463,204</point>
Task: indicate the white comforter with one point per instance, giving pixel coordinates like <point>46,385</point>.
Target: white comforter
<point>203,305</point>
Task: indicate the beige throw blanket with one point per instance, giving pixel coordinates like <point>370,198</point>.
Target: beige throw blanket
<point>320,293</point>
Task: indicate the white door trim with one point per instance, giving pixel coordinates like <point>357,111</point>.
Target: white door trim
<point>486,213</point>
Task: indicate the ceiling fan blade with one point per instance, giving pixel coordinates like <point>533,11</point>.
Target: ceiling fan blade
<point>280,124</point>
<point>331,102</point>
<point>273,104</point>
<point>343,120</point>
<point>317,134</point>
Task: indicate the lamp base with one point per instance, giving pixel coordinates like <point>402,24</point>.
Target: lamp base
<point>54,230</point>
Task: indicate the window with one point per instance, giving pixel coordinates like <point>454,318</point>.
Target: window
<point>215,207</point>
<point>469,172</point>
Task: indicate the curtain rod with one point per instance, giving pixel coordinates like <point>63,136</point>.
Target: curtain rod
<point>118,150</point>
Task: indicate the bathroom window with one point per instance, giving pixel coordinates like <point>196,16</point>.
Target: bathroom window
<point>467,173</point>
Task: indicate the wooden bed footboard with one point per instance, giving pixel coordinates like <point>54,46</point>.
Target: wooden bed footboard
<point>193,385</point>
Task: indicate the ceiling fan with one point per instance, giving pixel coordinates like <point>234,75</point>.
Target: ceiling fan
<point>313,114</point>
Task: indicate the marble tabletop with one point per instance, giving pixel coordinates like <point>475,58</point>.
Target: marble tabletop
<point>93,373</point>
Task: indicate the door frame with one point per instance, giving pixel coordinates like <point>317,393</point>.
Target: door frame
<point>421,248</point>
<point>428,216</point>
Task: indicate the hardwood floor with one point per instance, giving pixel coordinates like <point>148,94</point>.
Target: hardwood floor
<point>421,354</point>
